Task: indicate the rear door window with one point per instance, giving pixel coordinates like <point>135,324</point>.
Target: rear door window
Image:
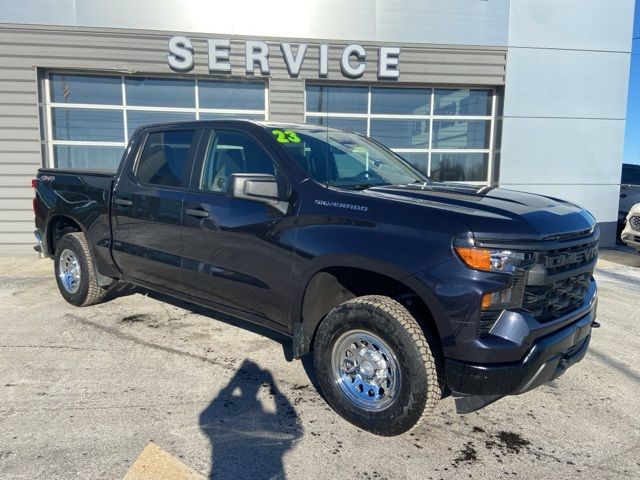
<point>166,158</point>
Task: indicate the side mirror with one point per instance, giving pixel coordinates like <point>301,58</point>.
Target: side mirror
<point>259,187</point>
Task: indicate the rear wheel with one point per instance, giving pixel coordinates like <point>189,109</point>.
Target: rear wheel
<point>75,271</point>
<point>375,366</point>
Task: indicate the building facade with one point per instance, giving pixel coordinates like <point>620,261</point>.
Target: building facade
<point>524,94</point>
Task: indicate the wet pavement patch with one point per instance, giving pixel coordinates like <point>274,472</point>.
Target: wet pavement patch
<point>467,455</point>
<point>138,318</point>
<point>512,441</point>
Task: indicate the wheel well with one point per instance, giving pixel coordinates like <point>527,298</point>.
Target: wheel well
<point>58,227</point>
<point>333,286</point>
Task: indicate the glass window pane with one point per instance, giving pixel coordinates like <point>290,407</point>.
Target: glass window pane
<point>406,101</point>
<point>86,89</point>
<point>139,119</point>
<point>87,124</point>
<point>240,96</point>
<point>229,153</point>
<point>358,125</point>
<point>462,101</point>
<point>164,158</point>
<point>232,116</point>
<point>419,160</point>
<point>461,134</point>
<point>87,157</point>
<point>459,167</point>
<point>156,92</point>
<point>321,98</point>
<point>401,133</point>
<point>631,174</point>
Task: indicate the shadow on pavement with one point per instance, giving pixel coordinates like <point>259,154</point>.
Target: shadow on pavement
<point>282,339</point>
<point>249,435</point>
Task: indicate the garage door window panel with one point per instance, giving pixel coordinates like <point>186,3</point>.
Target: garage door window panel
<point>426,126</point>
<point>96,114</point>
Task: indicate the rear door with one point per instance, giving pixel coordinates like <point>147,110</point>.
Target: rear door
<point>238,252</point>
<point>147,207</point>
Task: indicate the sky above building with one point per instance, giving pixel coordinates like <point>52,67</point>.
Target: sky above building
<point>632,131</point>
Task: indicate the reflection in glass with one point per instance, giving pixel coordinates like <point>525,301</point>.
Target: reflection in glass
<point>462,101</point>
<point>139,119</point>
<point>157,92</point>
<point>87,157</point>
<point>406,101</point>
<point>87,124</point>
<point>321,98</point>
<point>419,160</point>
<point>461,134</point>
<point>85,89</point>
<point>459,167</point>
<point>239,96</point>
<point>358,125</point>
<point>401,133</point>
<point>231,116</point>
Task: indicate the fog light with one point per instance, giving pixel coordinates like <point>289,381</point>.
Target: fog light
<point>497,300</point>
<point>507,298</point>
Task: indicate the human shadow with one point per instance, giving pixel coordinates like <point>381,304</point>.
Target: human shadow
<point>248,439</point>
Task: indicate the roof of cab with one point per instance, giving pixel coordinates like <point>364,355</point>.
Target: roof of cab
<point>231,121</point>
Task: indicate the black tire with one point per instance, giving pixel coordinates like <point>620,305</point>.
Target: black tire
<point>88,292</point>
<point>421,382</point>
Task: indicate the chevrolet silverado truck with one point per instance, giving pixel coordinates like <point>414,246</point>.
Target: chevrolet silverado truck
<point>402,289</point>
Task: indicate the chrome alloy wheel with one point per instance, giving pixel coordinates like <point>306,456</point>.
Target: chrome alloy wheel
<point>69,271</point>
<point>366,369</point>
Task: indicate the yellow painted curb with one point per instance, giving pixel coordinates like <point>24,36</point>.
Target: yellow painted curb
<point>153,463</point>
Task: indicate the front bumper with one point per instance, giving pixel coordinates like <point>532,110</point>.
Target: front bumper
<point>630,235</point>
<point>548,358</point>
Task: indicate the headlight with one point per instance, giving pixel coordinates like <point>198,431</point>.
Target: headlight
<point>489,259</point>
<point>496,260</point>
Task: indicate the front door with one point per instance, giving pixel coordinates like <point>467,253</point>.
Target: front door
<point>148,207</point>
<point>237,252</point>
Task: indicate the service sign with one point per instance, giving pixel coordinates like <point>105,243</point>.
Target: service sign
<point>353,58</point>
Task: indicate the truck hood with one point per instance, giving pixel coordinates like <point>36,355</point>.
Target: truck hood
<point>491,212</point>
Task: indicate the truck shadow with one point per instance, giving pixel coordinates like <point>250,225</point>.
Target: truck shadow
<point>280,338</point>
<point>248,439</point>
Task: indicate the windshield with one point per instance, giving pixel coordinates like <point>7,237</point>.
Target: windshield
<point>344,159</point>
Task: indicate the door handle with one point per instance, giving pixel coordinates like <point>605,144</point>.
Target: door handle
<point>124,202</point>
<point>196,212</point>
<point>623,195</point>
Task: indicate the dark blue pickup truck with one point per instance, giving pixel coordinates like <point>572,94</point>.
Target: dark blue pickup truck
<point>404,290</point>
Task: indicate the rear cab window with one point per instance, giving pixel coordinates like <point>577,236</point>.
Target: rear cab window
<point>166,158</point>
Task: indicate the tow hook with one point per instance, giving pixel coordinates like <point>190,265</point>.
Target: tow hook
<point>595,324</point>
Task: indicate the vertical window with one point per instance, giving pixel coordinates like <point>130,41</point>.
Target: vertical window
<point>165,157</point>
<point>232,152</point>
<point>91,117</point>
<point>444,132</point>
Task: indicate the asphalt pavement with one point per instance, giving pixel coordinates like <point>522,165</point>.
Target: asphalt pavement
<point>138,388</point>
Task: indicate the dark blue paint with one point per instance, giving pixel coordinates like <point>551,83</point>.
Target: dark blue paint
<point>256,261</point>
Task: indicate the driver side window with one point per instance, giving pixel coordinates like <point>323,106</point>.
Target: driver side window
<point>232,152</point>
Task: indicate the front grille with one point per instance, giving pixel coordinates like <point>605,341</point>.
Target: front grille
<point>635,222</point>
<point>548,302</point>
<point>570,235</point>
<point>563,259</point>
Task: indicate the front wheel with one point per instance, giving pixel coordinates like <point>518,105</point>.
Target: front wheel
<point>75,272</point>
<point>375,366</point>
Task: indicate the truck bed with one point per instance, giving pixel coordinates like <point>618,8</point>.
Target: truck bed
<point>82,196</point>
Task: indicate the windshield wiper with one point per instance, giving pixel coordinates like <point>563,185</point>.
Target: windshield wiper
<point>363,186</point>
